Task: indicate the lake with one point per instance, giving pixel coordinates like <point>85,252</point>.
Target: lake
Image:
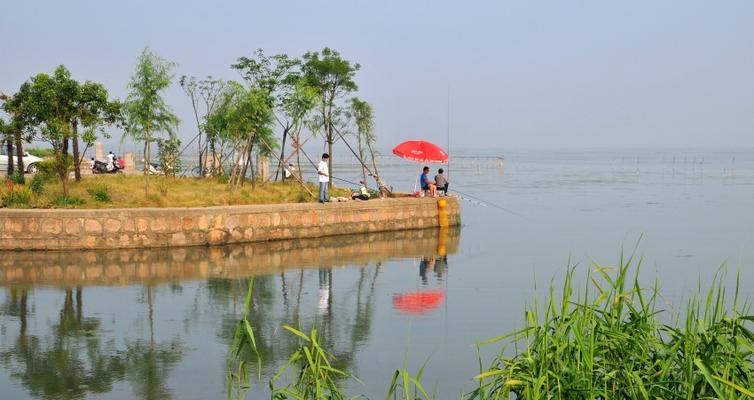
<point>157,324</point>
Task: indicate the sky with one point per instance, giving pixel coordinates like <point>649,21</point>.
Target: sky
<point>528,74</point>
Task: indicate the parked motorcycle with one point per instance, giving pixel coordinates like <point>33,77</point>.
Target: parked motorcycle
<point>101,167</point>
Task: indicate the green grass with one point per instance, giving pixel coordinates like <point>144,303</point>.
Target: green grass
<point>121,191</point>
<point>611,339</point>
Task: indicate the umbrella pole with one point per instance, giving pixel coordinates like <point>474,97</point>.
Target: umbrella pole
<point>416,182</point>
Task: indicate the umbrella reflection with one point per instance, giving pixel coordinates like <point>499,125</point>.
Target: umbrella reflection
<point>418,302</point>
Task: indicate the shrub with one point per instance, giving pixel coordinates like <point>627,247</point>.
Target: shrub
<point>67,201</point>
<point>16,197</point>
<point>37,185</point>
<point>18,177</point>
<point>46,152</point>
<point>99,193</point>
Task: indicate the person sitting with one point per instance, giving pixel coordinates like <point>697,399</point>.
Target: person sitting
<point>362,194</point>
<point>426,184</point>
<point>121,163</point>
<point>111,161</point>
<point>441,182</point>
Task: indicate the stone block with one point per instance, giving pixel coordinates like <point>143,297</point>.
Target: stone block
<point>52,226</point>
<point>92,226</point>
<point>178,239</point>
<point>187,223</point>
<point>158,224</point>
<point>112,225</point>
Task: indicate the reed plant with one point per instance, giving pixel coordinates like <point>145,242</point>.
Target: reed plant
<point>308,374</point>
<point>611,339</point>
<point>243,347</point>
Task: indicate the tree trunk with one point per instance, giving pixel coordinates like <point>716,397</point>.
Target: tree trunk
<point>329,160</point>
<point>281,166</point>
<point>19,151</point>
<point>9,148</point>
<point>361,155</point>
<point>76,155</point>
<point>146,167</point>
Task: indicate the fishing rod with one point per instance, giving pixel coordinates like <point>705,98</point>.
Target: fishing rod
<point>484,203</point>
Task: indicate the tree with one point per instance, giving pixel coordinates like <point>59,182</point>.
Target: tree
<point>297,107</point>
<point>92,111</point>
<point>363,117</point>
<point>206,92</point>
<point>145,110</point>
<point>52,108</point>
<point>13,131</point>
<point>242,119</point>
<point>45,105</point>
<point>332,77</point>
<point>277,75</point>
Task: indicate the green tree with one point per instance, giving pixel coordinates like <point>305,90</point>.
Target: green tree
<point>332,77</point>
<point>13,131</point>
<point>277,75</point>
<point>297,107</point>
<point>92,111</point>
<point>45,104</point>
<point>363,117</point>
<point>205,95</point>
<point>145,110</point>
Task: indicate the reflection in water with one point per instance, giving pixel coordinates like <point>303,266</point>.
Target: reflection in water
<point>54,348</point>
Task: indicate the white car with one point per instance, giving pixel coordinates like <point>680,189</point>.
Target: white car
<point>30,162</point>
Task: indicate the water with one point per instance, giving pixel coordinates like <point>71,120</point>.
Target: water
<point>158,323</point>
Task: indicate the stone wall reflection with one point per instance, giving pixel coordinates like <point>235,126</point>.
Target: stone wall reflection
<point>129,266</point>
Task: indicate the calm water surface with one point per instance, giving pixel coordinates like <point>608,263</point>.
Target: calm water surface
<point>157,324</point>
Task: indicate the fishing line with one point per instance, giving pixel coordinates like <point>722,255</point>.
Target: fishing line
<point>486,203</point>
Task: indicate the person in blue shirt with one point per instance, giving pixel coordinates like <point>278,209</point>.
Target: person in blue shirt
<point>426,184</point>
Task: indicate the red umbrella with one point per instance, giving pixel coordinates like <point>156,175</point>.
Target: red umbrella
<point>421,151</point>
<point>418,302</point>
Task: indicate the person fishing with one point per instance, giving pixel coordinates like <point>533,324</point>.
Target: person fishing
<point>324,178</point>
<point>442,182</point>
<point>426,184</point>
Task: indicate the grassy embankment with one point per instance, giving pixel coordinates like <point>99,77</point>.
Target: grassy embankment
<point>121,191</point>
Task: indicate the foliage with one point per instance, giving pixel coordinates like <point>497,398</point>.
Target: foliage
<point>361,112</point>
<point>67,201</point>
<point>100,193</point>
<point>15,196</point>
<point>244,344</point>
<point>18,177</point>
<point>145,110</point>
<point>332,77</point>
<point>405,386</point>
<point>309,372</point>
<point>609,341</point>
<point>52,108</point>
<point>169,154</point>
<point>206,92</point>
<point>41,152</point>
<point>45,174</point>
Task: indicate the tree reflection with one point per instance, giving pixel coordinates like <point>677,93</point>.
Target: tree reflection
<point>74,361</point>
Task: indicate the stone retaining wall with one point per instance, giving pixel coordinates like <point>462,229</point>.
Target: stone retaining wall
<point>175,227</point>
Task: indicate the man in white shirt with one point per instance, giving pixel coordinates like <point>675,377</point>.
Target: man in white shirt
<point>324,178</point>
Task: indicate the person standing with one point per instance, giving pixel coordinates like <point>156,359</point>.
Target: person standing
<point>324,179</point>
<point>441,181</point>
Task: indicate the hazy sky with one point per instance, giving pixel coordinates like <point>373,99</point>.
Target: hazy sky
<point>520,74</point>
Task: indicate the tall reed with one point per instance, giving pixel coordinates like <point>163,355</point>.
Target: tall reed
<point>611,340</point>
